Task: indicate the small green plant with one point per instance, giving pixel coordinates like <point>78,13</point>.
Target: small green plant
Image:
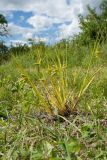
<point>54,91</point>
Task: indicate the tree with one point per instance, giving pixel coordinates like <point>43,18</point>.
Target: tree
<point>103,8</point>
<point>3,32</point>
<point>3,48</point>
<point>3,26</point>
<point>4,54</point>
<point>94,26</point>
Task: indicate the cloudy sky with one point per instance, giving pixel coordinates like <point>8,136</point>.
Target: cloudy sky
<point>48,20</point>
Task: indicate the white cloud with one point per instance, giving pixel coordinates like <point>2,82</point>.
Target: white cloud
<point>28,35</point>
<point>17,42</point>
<point>18,30</point>
<point>56,8</point>
<point>49,12</point>
<point>70,29</point>
<point>39,22</point>
<point>40,39</point>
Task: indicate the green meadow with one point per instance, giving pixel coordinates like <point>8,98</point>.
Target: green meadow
<point>53,99</point>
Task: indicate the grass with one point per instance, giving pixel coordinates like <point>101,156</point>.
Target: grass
<point>53,104</point>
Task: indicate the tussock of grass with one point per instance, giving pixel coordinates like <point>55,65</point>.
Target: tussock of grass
<point>53,104</point>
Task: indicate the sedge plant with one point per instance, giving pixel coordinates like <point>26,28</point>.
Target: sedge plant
<point>53,88</point>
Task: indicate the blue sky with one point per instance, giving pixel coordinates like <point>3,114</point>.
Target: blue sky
<point>43,20</point>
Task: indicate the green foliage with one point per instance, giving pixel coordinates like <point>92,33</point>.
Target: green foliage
<point>94,25</point>
<point>3,32</point>
<point>2,19</point>
<point>4,54</point>
<point>19,49</point>
<point>3,26</point>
